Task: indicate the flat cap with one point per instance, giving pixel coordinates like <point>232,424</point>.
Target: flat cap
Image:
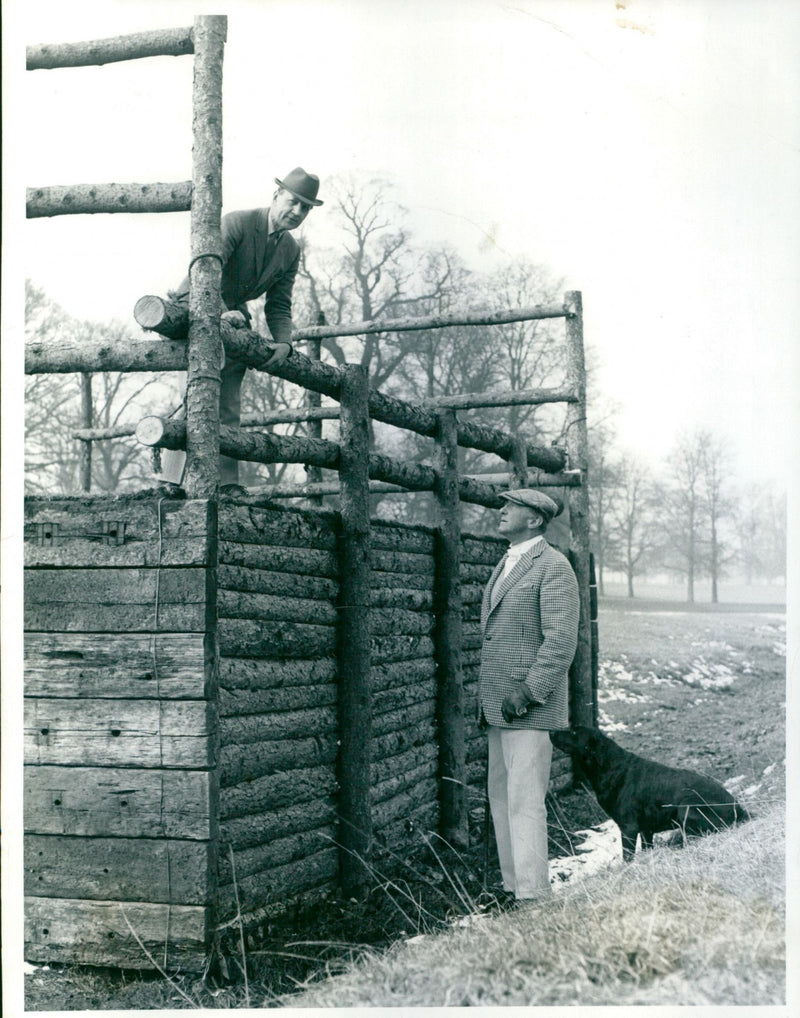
<point>534,500</point>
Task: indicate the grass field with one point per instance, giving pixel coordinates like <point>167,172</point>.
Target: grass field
<point>697,688</point>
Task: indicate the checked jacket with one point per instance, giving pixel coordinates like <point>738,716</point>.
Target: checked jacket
<point>530,636</point>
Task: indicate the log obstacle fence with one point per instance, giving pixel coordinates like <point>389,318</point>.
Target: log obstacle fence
<point>223,684</point>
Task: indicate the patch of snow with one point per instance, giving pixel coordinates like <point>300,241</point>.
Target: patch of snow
<point>779,649</point>
<point>733,782</point>
<point>770,769</point>
<point>751,790</point>
<point>29,969</point>
<point>708,676</point>
<point>467,920</point>
<point>601,846</point>
<point>608,724</point>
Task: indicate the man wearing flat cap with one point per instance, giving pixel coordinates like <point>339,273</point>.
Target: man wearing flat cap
<point>259,257</point>
<point>529,620</point>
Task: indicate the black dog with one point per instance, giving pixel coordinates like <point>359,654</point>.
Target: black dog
<point>642,796</point>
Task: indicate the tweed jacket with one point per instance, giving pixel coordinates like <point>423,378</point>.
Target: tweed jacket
<point>530,636</point>
<point>251,267</point>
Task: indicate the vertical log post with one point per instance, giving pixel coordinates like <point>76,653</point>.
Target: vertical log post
<point>205,268</point>
<point>86,422</point>
<point>595,633</point>
<point>518,464</point>
<point>314,399</point>
<point>582,700</point>
<point>447,636</point>
<point>355,708</point>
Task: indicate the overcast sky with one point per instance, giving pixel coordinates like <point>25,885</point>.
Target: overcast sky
<point>646,152</point>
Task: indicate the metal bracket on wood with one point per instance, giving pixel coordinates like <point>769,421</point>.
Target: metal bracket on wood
<point>46,534</point>
<point>113,532</point>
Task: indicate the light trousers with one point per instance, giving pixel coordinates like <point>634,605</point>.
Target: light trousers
<point>173,461</point>
<point>519,773</point>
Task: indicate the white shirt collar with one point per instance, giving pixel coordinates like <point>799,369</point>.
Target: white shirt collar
<point>516,551</point>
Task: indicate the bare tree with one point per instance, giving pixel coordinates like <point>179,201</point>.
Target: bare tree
<point>761,529</point>
<point>603,481</point>
<point>632,523</point>
<point>683,510</point>
<point>719,504</point>
<point>53,410</point>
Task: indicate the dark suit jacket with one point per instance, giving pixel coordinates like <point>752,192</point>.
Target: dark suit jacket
<point>530,636</point>
<point>252,267</point>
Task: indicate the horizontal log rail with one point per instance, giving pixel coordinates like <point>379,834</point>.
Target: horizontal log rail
<point>414,324</point>
<point>169,42</point>
<point>521,397</point>
<point>153,312</point>
<point>83,199</point>
<point>254,350</point>
<point>163,433</point>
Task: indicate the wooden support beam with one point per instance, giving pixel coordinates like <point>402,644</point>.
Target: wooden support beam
<point>582,706</point>
<point>201,478</point>
<point>522,397</point>
<point>355,706</point>
<point>447,636</point>
<point>86,418</point>
<point>168,42</point>
<point>68,354</point>
<point>82,199</point>
<point>412,324</point>
<point>518,474</point>
<point>254,350</point>
<point>265,448</point>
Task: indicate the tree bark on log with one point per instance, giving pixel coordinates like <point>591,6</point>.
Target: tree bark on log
<point>277,790</point>
<point>247,761</point>
<point>402,739</point>
<point>245,638</point>
<point>282,882</point>
<point>447,635</point>
<point>234,604</point>
<point>583,707</point>
<point>388,649</point>
<point>90,199</point>
<point>269,703</point>
<point>169,42</point>
<point>275,853</point>
<point>401,697</point>
<point>258,828</point>
<point>303,561</point>
<point>201,475</point>
<point>258,673</point>
<point>283,527</point>
<point>355,627</point>
<point>408,716</point>
<point>257,581</point>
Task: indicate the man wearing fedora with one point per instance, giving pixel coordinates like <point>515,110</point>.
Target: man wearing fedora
<point>259,257</point>
<point>529,620</point>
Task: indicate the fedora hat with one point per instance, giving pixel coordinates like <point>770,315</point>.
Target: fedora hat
<point>533,499</point>
<point>302,185</point>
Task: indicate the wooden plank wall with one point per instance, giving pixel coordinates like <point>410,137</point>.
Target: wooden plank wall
<point>119,731</point>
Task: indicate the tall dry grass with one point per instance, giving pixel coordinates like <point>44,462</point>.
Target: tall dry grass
<point>700,925</point>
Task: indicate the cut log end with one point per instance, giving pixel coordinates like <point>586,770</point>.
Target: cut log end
<point>150,430</point>
<point>149,311</point>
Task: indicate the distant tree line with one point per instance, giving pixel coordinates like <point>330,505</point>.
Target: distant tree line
<point>687,519</point>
